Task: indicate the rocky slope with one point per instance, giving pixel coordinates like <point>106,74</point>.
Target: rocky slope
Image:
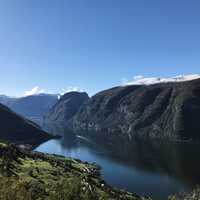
<point>32,107</point>
<point>17,129</point>
<point>56,119</point>
<point>35,176</point>
<point>164,111</point>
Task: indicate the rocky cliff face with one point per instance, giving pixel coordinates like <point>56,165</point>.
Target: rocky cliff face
<point>16,129</point>
<point>55,121</point>
<point>165,110</point>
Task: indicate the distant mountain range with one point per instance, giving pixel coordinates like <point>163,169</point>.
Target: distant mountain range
<point>168,109</point>
<point>16,129</point>
<point>32,107</point>
<point>50,111</point>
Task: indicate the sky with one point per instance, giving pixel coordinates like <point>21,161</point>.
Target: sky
<point>95,44</point>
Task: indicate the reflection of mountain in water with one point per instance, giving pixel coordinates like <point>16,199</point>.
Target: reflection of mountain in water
<point>177,160</point>
<point>76,141</point>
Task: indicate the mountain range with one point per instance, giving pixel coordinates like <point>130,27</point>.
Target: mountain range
<point>16,129</point>
<point>163,110</point>
<point>32,107</point>
<point>168,110</point>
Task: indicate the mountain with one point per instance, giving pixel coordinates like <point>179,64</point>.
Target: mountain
<point>32,107</point>
<point>168,110</point>
<point>56,119</point>
<point>6,100</point>
<point>17,129</point>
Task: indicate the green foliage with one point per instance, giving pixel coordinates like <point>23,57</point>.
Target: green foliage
<point>194,195</point>
<point>35,176</point>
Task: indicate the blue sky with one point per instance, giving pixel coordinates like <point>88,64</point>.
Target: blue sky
<point>94,44</point>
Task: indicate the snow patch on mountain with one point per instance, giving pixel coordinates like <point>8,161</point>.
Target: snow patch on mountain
<point>141,80</point>
<point>35,91</point>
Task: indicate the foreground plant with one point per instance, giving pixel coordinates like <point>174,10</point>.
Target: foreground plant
<point>194,195</point>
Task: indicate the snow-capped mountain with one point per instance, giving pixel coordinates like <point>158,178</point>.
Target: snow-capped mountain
<point>141,80</point>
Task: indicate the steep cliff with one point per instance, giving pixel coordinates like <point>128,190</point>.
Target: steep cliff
<point>165,110</point>
<point>55,121</point>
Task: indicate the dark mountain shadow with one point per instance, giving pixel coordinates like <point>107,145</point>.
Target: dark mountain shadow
<point>177,160</point>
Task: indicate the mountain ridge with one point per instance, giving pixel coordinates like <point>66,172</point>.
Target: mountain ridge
<point>32,107</point>
<point>18,130</point>
<point>162,110</point>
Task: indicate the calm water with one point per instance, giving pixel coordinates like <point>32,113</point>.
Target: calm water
<point>156,170</point>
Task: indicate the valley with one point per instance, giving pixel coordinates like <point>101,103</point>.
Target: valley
<point>144,137</point>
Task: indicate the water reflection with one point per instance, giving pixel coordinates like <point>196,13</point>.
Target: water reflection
<point>155,169</point>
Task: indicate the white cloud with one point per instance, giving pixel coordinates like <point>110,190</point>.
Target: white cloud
<point>138,77</point>
<point>35,91</point>
<point>71,89</point>
<point>141,80</point>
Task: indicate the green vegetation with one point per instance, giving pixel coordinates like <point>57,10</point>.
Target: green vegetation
<point>194,195</point>
<point>26,175</point>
